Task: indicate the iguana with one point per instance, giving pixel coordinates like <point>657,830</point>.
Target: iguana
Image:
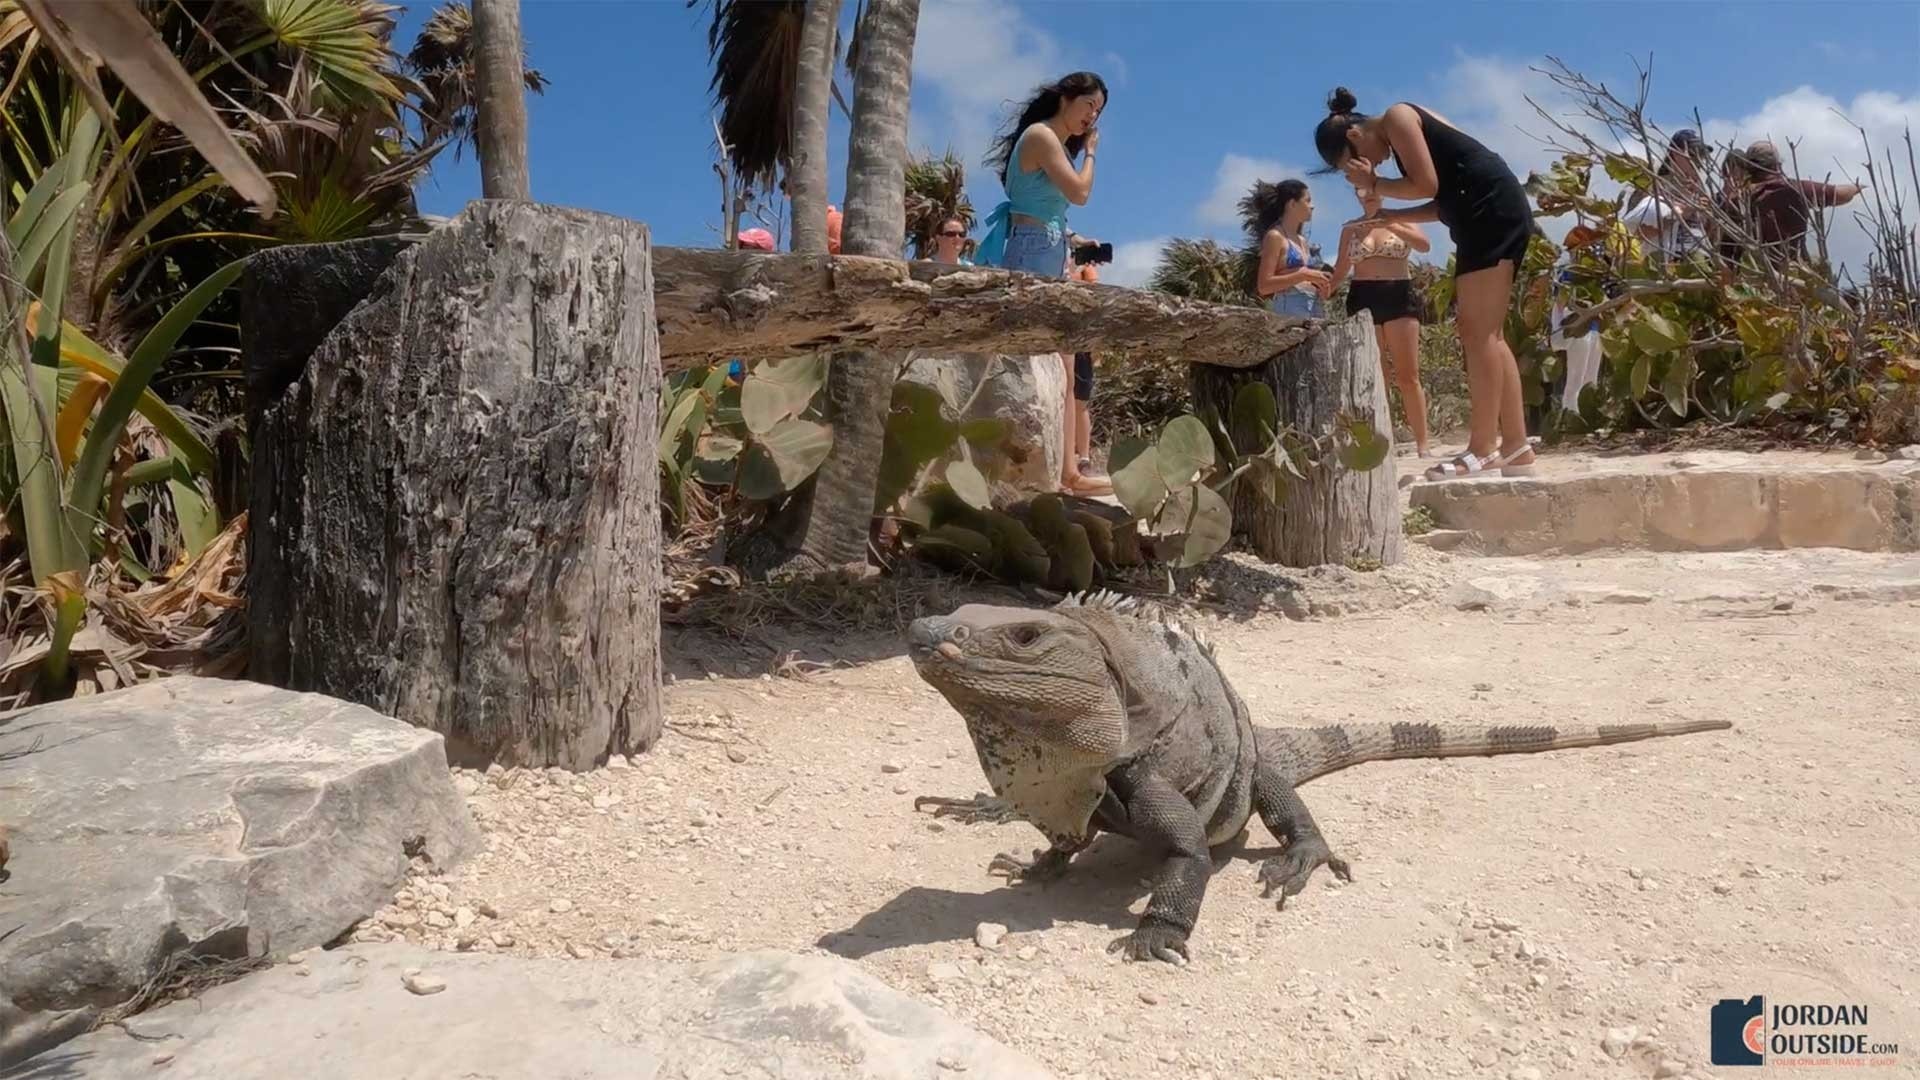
<point>1101,713</point>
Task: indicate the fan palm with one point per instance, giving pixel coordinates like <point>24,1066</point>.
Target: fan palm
<point>936,191</point>
<point>755,48</point>
<point>1206,270</point>
<point>442,60</point>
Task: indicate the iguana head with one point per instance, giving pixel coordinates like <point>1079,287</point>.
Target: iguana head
<point>1043,673</point>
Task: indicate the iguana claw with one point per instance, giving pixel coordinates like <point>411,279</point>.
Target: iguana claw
<point>1153,941</point>
<point>981,808</point>
<point>1290,870</point>
<point>1046,865</point>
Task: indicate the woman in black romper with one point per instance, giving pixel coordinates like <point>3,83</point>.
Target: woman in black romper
<point>1475,195</point>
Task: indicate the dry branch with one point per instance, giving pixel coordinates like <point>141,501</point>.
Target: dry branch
<point>715,306</point>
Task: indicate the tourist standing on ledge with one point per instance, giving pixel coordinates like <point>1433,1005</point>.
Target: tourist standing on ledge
<point>1380,258</point>
<point>1028,231</point>
<point>1471,191</point>
<point>1276,215</point>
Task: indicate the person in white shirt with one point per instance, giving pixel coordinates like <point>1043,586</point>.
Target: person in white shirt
<point>1668,217</point>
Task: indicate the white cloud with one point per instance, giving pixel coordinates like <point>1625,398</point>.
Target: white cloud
<point>1133,262</point>
<point>972,61</point>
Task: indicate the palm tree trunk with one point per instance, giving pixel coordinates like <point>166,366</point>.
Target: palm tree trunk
<point>812,95</point>
<point>825,525</point>
<point>500,100</point>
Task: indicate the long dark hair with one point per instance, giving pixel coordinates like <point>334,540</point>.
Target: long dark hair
<point>1330,138</point>
<point>1046,102</point>
<point>1262,208</point>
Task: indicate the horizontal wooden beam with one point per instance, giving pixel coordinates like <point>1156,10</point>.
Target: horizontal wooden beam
<point>712,306</point>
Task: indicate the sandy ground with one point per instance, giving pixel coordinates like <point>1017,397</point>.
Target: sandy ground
<point>1565,915</point>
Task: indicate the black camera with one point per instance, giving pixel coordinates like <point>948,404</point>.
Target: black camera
<point>1092,253</point>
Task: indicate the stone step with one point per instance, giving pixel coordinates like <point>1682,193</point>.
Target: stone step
<point>1706,501</point>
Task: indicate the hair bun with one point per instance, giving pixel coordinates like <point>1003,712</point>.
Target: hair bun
<point>1341,101</point>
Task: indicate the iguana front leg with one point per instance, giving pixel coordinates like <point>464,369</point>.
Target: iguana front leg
<point>1047,864</point>
<point>1287,818</point>
<point>1159,817</point>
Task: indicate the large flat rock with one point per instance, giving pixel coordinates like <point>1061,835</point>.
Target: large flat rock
<point>1694,501</point>
<point>198,816</point>
<point>347,1015</point>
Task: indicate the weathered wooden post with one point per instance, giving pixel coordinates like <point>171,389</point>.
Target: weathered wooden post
<point>1335,514</point>
<point>456,502</point>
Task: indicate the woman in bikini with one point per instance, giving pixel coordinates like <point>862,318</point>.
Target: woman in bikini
<point>1471,191</point>
<point>1028,231</point>
<point>1276,215</point>
<point>1382,287</point>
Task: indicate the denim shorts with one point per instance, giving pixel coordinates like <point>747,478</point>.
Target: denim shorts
<point>1298,302</point>
<point>1036,249</point>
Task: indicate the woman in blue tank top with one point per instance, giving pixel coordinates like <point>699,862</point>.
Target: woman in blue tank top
<point>1035,160</point>
<point>1275,216</point>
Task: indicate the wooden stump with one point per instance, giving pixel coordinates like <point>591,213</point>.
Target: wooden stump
<point>1334,515</point>
<point>456,504</point>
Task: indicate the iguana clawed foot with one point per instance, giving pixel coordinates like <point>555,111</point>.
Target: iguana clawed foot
<point>1046,865</point>
<point>981,809</point>
<point>1290,870</point>
<point>1153,941</point>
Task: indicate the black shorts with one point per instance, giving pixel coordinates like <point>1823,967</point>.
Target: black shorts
<point>1083,376</point>
<point>1385,300</point>
<point>1499,226</point>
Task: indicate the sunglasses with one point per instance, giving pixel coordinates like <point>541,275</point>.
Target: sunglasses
<point>952,233</point>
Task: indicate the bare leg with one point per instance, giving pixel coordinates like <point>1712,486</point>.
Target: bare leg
<point>1498,416</point>
<point>1400,354</point>
<point>1071,480</point>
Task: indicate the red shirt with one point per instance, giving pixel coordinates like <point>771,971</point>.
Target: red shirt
<point>1778,211</point>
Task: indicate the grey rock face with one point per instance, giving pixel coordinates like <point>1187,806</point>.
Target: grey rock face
<point>206,817</point>
<point>351,1016</point>
<point>1028,392</point>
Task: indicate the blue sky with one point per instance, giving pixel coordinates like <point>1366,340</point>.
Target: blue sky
<point>1208,94</point>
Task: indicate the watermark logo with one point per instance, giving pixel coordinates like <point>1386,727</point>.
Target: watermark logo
<point>1748,1033</point>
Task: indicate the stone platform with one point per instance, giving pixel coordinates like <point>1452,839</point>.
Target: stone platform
<point>1691,501</point>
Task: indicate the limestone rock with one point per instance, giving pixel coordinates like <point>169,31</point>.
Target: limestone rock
<point>201,815</point>
<point>354,1018</point>
<point>1028,392</point>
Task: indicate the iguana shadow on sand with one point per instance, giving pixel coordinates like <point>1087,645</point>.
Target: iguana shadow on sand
<point>1100,714</point>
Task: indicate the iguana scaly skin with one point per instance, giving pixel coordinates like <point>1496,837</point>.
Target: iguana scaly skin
<point>1102,714</point>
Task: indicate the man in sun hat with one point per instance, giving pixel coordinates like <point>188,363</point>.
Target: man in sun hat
<point>1776,209</point>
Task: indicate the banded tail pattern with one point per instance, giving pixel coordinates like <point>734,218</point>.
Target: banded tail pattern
<point>1306,753</point>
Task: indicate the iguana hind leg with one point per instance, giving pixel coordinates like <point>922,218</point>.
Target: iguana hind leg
<point>1287,817</point>
<point>980,809</point>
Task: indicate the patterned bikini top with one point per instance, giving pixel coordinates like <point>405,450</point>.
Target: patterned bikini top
<point>1360,250</point>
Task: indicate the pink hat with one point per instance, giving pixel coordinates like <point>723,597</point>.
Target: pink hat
<point>757,238</point>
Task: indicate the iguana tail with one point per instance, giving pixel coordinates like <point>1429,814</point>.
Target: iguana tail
<point>1306,753</point>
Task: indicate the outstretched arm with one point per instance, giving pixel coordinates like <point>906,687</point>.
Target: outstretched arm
<point>1415,236</point>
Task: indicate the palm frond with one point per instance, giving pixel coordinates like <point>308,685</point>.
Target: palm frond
<point>442,61</point>
<point>1208,271</point>
<point>755,47</point>
<point>936,191</point>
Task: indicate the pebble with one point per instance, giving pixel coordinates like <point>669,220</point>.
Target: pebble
<point>466,785</point>
<point>893,767</point>
<point>736,755</point>
<point>560,906</point>
<point>989,935</point>
<point>163,1057</point>
<point>951,1063</point>
<point>1028,952</point>
<point>464,917</point>
<point>501,939</point>
<point>421,983</point>
<point>605,801</point>
<point>1614,1044</point>
<point>579,951</point>
<point>1524,1072</point>
<point>1724,888</point>
<point>1505,925</point>
<point>619,761</point>
<point>487,909</point>
<point>1647,884</point>
<point>1667,1069</point>
<point>943,972</point>
<point>438,921</point>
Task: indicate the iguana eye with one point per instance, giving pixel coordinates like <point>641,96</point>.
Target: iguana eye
<point>1025,635</point>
